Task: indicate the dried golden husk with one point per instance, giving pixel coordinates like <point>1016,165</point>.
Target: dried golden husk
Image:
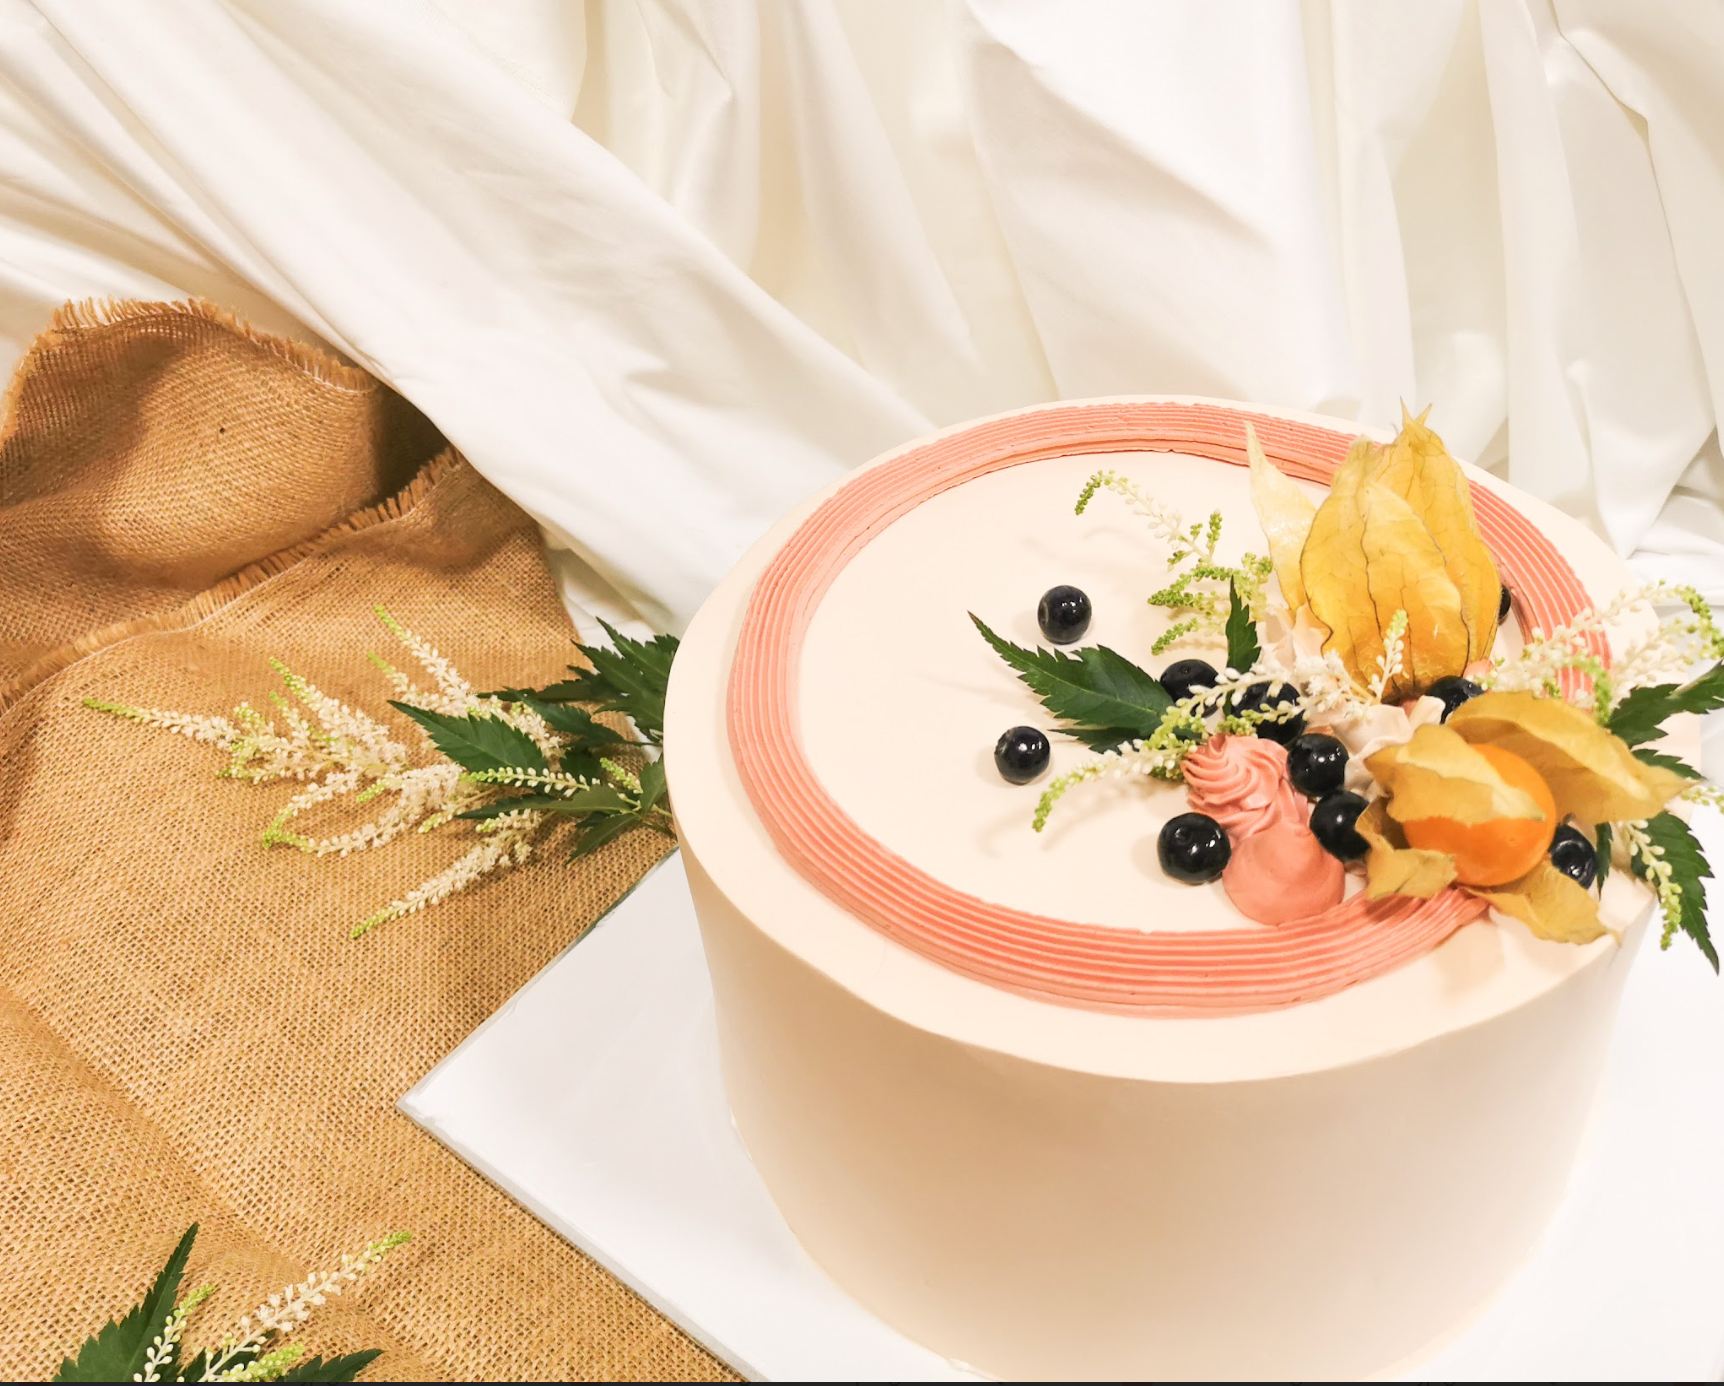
<point>1592,774</point>
<point>1393,868</point>
<point>1406,573</point>
<point>1285,512</point>
<point>1437,774</point>
<point>1418,468</point>
<point>1397,533</point>
<point>1332,569</point>
<point>1552,905</point>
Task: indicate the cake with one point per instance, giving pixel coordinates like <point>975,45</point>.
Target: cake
<point>1035,1102</point>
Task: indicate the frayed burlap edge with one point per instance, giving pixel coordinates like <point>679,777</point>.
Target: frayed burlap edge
<point>99,314</point>
<point>230,589</point>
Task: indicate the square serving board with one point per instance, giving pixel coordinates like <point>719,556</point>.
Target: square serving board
<point>594,1098</point>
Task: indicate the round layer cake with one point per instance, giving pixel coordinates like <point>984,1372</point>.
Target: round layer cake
<point>1037,1105</point>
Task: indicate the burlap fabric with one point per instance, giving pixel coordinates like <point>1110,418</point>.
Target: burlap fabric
<point>186,1030</point>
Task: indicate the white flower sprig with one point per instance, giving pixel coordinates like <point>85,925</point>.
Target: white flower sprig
<point>1393,658</point>
<point>166,1343</point>
<point>1657,873</point>
<point>1166,523</point>
<point>1681,640</point>
<point>283,1312</point>
<point>344,757</point>
<point>1204,589</point>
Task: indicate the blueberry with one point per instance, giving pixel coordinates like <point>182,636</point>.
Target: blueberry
<point>1453,690</point>
<point>1505,604</point>
<point>1316,764</point>
<point>1184,677</point>
<point>1193,848</point>
<point>1258,698</point>
<point>1064,614</point>
<point>1021,754</point>
<point>1332,824</point>
<point>1573,855</point>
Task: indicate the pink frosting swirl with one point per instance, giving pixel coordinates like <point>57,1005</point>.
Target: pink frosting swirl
<point>1278,871</point>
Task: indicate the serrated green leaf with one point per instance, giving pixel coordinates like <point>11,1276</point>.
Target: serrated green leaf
<point>477,743</point>
<point>1100,695</point>
<point>628,676</point>
<point>585,764</point>
<point>1666,761</point>
<point>572,721</point>
<point>1603,849</point>
<point>117,1352</point>
<point>563,691</point>
<point>1688,869</point>
<point>502,806</point>
<point>1242,644</point>
<point>653,657</point>
<point>1640,716</point>
<point>344,1368</point>
<point>652,783</point>
<point>599,799</point>
<point>598,834</point>
<point>631,678</point>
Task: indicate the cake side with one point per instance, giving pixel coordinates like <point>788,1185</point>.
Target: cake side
<point>1040,1190</point>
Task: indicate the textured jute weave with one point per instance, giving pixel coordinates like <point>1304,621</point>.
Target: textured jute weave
<point>186,1031</point>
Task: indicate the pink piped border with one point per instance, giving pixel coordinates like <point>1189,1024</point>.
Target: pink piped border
<point>1226,972</point>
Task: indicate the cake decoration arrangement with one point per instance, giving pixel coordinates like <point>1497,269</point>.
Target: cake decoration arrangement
<point>1363,720</point>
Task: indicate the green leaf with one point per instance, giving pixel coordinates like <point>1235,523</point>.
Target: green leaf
<point>571,721</point>
<point>605,830</point>
<point>1242,645</point>
<point>1101,696</point>
<point>117,1352</point>
<point>628,676</point>
<point>652,783</point>
<point>654,656</point>
<point>1640,716</point>
<point>477,743</point>
<point>1688,869</point>
<point>344,1368</point>
<point>600,798</point>
<point>1604,849</point>
<point>1666,761</point>
<point>563,691</point>
<point>502,806</point>
<point>584,764</point>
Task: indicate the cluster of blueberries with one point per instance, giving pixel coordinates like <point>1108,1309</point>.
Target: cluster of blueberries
<point>1193,847</point>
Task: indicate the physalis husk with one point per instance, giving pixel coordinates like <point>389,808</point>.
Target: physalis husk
<point>1396,533</point>
<point>1591,773</point>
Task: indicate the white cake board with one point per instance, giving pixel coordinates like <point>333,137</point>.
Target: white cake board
<point>594,1098</point>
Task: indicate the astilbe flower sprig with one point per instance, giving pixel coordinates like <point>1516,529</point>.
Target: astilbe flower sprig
<point>1202,590</point>
<point>286,1310</point>
<point>344,758</point>
<point>1681,639</point>
<point>147,1344</point>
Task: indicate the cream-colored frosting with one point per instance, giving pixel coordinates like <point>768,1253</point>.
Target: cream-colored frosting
<point>1042,1189</point>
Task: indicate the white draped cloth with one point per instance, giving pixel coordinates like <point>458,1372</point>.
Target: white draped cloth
<point>662,267</point>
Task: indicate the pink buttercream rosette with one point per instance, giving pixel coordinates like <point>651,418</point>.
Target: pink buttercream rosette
<point>1278,871</point>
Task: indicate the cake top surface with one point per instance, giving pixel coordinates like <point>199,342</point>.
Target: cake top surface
<point>891,705</point>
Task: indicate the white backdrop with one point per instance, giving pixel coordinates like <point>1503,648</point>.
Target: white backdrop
<point>661,267</point>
